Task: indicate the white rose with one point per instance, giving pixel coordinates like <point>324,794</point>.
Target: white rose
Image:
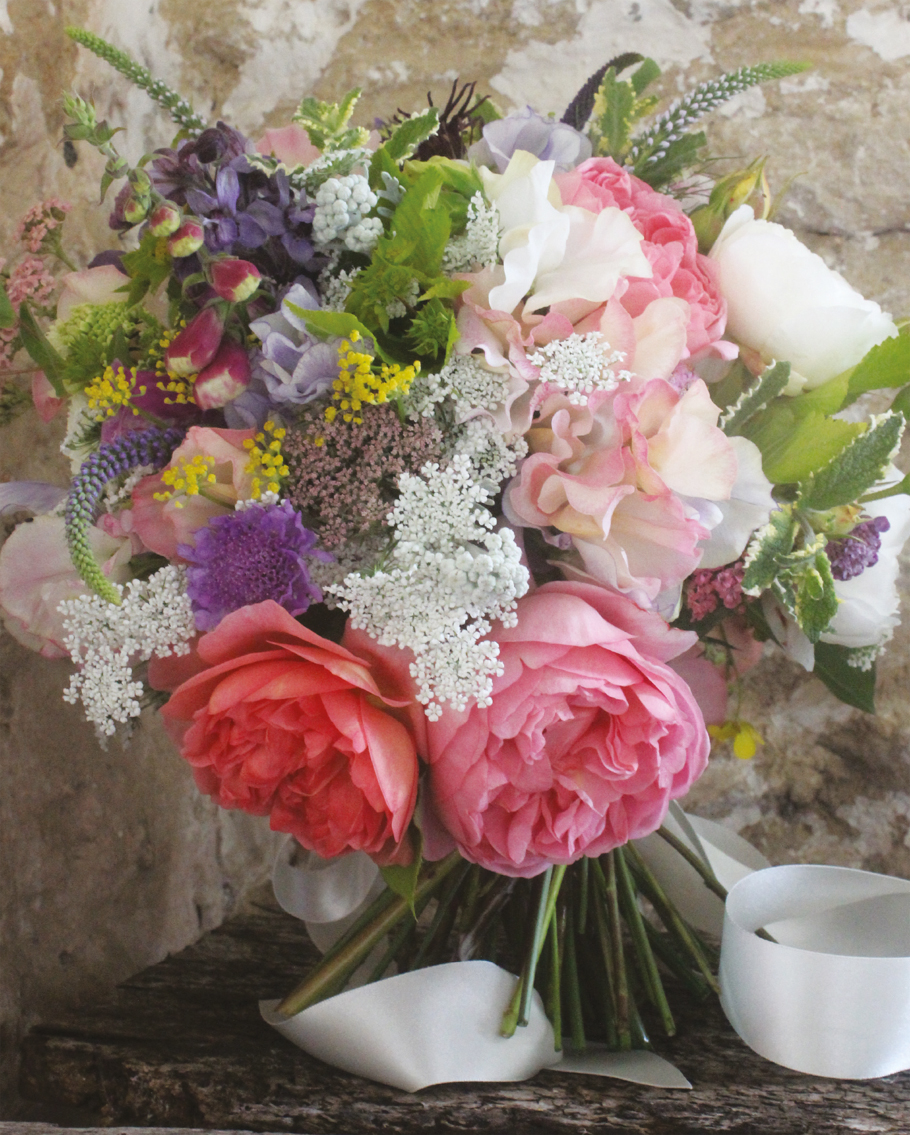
<point>786,303</point>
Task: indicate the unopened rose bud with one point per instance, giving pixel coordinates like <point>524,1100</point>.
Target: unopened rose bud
<point>189,238</point>
<point>226,376</point>
<point>135,209</point>
<point>196,345</point>
<point>164,220</point>
<point>234,280</point>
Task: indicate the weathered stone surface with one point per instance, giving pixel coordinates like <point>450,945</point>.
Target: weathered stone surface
<point>829,785</point>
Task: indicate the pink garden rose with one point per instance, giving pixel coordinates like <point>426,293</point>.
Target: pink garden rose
<point>589,736</point>
<point>162,525</point>
<point>670,245</point>
<point>626,478</point>
<point>280,721</point>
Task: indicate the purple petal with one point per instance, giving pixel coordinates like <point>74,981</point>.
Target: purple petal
<point>251,233</point>
<point>269,216</point>
<point>227,186</point>
<point>200,202</point>
<point>298,248</point>
<point>29,496</point>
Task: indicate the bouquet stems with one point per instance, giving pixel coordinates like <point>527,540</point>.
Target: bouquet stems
<point>578,934</point>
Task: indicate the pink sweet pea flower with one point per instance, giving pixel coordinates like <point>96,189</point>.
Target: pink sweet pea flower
<point>37,574</point>
<point>625,478</point>
<point>280,721</point>
<point>291,145</point>
<point>47,404</point>
<point>589,736</point>
<point>678,269</point>
<point>162,525</point>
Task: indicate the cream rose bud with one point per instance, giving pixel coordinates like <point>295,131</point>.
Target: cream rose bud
<point>786,303</point>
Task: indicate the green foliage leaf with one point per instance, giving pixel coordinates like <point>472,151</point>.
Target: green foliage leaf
<point>147,268</point>
<point>770,383</point>
<point>431,329</point>
<point>446,288</point>
<point>579,109</point>
<point>766,548</point>
<point>408,136</point>
<point>813,586</point>
<point>792,449</point>
<point>334,325</point>
<point>852,685</point>
<point>888,364</point>
<point>645,75</point>
<point>327,123</point>
<point>403,880</point>
<point>418,221</point>
<point>615,104</point>
<point>661,168</point>
<point>856,468</point>
<point>42,353</point>
<point>7,311</point>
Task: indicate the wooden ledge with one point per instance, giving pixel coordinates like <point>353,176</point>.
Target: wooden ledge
<point>181,1045</point>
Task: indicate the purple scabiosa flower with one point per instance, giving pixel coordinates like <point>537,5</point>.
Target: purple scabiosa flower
<point>852,554</point>
<point>293,365</point>
<point>256,553</point>
<point>527,130</point>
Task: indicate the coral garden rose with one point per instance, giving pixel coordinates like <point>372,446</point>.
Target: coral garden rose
<point>280,721</point>
<point>786,303</point>
<point>588,737</point>
<point>626,479</point>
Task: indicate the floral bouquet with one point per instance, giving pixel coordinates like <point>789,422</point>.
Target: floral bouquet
<point>436,482</point>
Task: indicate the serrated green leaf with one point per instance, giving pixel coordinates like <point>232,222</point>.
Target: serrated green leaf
<point>408,136</point>
<point>334,325</point>
<point>644,75</point>
<point>381,163</point>
<point>444,287</point>
<point>794,449</point>
<point>418,221</point>
<point>765,549</point>
<point>403,880</point>
<point>853,686</point>
<point>770,383</point>
<point>7,311</point>
<point>888,364</point>
<point>855,469</point>
<point>39,348</point>
<point>613,107</point>
<point>815,598</point>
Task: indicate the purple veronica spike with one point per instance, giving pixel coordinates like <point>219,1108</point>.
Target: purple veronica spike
<point>248,557</point>
<point>852,554</point>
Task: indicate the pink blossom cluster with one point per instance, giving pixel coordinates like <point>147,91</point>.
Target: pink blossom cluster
<point>40,221</point>
<point>707,589</point>
<point>30,280</point>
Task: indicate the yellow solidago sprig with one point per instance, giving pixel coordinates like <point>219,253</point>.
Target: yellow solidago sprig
<point>745,737</point>
<point>360,383</point>
<point>188,478</point>
<point>177,389</point>
<point>112,390</point>
<point>266,461</point>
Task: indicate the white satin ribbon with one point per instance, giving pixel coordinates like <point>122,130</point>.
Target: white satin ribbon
<point>831,996</point>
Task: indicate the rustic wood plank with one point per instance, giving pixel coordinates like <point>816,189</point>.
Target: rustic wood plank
<point>182,1045</point>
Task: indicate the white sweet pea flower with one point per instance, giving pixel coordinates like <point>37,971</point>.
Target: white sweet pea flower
<point>555,252</point>
<point>748,508</point>
<point>786,303</point>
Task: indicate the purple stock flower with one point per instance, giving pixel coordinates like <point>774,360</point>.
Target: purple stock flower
<point>249,556</point>
<point>527,130</point>
<point>293,365</point>
<point>852,554</point>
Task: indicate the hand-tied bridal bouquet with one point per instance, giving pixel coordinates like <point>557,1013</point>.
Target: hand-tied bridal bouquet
<point>435,481</point>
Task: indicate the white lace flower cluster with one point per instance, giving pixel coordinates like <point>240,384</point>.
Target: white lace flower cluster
<point>478,246</point>
<point>342,204</point>
<point>453,576</point>
<point>106,641</point>
<point>467,380</point>
<point>493,457</point>
<point>580,364</point>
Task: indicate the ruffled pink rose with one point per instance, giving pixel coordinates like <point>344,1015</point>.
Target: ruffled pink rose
<point>280,721</point>
<point>623,477</point>
<point>162,525</point>
<point>678,269</point>
<point>589,736</point>
<point>37,574</point>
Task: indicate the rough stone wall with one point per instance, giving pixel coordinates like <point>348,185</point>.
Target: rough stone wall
<point>110,860</point>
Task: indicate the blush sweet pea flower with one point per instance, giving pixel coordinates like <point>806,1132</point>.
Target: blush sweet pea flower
<point>281,722</point>
<point>589,735</point>
<point>626,479</point>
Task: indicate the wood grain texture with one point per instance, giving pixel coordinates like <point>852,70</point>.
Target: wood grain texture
<point>182,1045</point>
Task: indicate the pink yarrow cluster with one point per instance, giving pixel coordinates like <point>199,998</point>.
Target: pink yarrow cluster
<point>40,222</point>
